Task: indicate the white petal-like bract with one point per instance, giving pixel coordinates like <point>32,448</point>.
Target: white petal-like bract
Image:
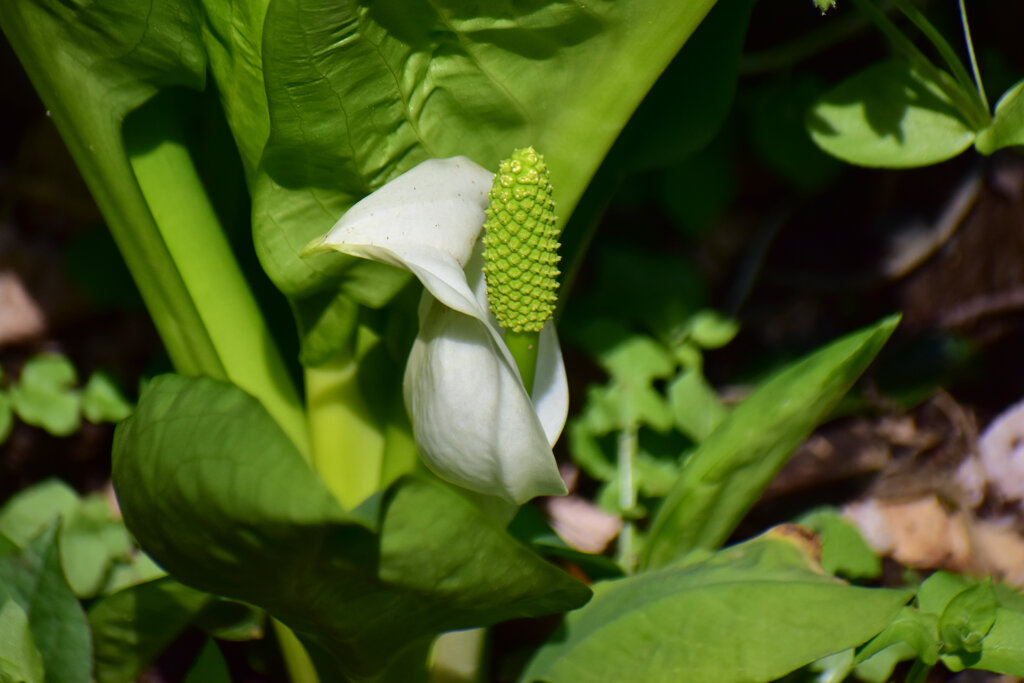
<point>474,422</point>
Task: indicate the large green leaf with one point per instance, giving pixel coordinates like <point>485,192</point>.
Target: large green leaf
<point>361,93</point>
<point>216,493</point>
<point>730,468</point>
<point>749,613</point>
<point>34,580</point>
<point>888,115</point>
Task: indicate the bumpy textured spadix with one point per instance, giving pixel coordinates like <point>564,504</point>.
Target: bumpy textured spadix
<point>475,423</point>
<point>521,244</point>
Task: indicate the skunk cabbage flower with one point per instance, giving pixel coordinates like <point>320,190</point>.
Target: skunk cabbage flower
<point>474,421</point>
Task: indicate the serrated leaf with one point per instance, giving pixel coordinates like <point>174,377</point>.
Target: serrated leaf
<point>587,452</point>
<point>696,409</point>
<point>44,395</point>
<point>102,400</point>
<point>92,541</point>
<point>216,493</point>
<point>888,115</point>
<point>30,511</point>
<point>752,612</point>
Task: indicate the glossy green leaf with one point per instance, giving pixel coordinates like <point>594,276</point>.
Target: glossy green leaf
<point>1007,129</point>
<point>20,661</point>
<point>936,592</point>
<point>44,395</point>
<point>752,612</point>
<point>102,400</point>
<point>34,579</point>
<point>730,468</point>
<point>359,95</point>
<point>30,511</point>
<point>888,115</point>
<point>232,35</point>
<point>132,626</point>
<point>216,493</point>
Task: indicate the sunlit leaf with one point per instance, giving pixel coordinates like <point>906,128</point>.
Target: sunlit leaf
<point>888,115</point>
<point>752,612</point>
<point>1007,129</point>
<point>723,478</point>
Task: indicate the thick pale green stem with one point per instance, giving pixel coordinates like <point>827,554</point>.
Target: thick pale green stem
<point>626,457</point>
<point>213,281</point>
<point>347,442</point>
<point>523,347</point>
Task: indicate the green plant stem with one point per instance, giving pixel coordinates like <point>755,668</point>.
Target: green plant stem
<point>970,54</point>
<point>626,458</point>
<point>967,105</point>
<point>523,347</point>
<point>300,666</point>
<point>198,250</point>
<point>347,444</point>
<point>945,50</point>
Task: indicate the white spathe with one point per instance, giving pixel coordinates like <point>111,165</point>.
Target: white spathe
<point>474,422</point>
